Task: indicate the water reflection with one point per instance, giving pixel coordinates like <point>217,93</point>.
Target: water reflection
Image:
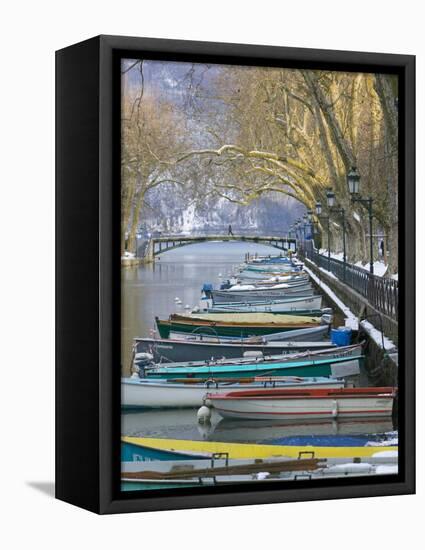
<point>182,424</point>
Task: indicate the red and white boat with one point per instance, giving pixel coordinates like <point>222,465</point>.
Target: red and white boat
<point>270,403</point>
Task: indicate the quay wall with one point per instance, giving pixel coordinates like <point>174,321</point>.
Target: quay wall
<point>381,366</point>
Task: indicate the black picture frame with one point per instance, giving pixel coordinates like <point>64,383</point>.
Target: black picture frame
<point>88,273</point>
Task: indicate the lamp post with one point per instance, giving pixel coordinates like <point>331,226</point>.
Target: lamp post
<point>305,220</point>
<point>310,223</point>
<point>138,236</point>
<point>298,226</point>
<point>296,230</point>
<point>319,215</point>
<point>330,195</point>
<point>353,182</point>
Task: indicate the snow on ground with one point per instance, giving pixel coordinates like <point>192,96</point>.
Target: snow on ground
<point>351,321</point>
<point>329,273</point>
<point>335,255</point>
<point>379,268</point>
<point>377,335</point>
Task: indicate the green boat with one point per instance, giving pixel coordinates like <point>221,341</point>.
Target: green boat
<point>329,367</point>
<point>236,325</point>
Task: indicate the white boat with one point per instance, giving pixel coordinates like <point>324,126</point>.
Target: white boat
<point>247,295</point>
<point>139,392</point>
<point>294,304</point>
<point>268,274</point>
<point>314,403</point>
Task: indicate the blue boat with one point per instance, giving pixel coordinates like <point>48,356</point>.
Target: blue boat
<point>131,452</point>
<point>327,367</point>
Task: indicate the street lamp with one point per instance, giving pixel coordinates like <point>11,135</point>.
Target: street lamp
<point>353,182</point>
<point>330,196</point>
<point>138,236</point>
<point>332,208</point>
<point>296,229</point>
<point>309,215</point>
<point>319,215</point>
<point>305,226</point>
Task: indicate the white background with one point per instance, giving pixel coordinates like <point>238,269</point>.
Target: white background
<point>30,33</point>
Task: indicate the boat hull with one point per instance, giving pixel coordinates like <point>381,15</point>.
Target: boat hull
<point>313,303</point>
<point>248,450</point>
<point>247,296</point>
<point>266,274</point>
<point>174,350</point>
<point>329,367</point>
<point>142,453</point>
<point>299,408</point>
<point>235,328</point>
<point>271,403</point>
<point>140,393</point>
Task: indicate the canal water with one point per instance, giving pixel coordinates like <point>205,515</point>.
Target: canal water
<point>151,290</point>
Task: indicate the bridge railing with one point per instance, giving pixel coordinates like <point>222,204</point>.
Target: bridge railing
<point>380,292</point>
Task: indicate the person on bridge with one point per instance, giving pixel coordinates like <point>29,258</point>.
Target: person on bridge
<point>230,231</point>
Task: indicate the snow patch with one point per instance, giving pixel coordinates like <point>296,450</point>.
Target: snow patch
<point>377,336</point>
<point>379,268</point>
<point>335,255</point>
<point>351,320</point>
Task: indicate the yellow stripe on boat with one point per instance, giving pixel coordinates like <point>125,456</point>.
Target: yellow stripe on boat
<point>247,450</point>
<point>253,317</point>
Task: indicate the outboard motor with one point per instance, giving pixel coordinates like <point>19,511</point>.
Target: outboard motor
<point>326,319</point>
<point>207,289</point>
<point>225,285</point>
<point>141,361</point>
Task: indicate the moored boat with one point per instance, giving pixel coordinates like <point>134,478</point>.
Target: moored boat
<point>168,350</point>
<point>167,474</point>
<point>276,267</point>
<point>138,452</point>
<point>137,392</point>
<point>240,325</point>
<point>334,367</point>
<point>248,274</point>
<point>270,403</point>
<point>248,293</point>
<point>248,450</point>
<point>307,305</point>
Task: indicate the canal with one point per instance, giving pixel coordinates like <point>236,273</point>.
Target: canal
<point>173,285</point>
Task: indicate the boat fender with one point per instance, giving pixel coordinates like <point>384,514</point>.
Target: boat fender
<point>204,414</point>
<point>334,408</point>
<point>326,319</point>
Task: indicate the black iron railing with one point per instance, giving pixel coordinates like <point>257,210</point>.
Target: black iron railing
<point>380,292</point>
